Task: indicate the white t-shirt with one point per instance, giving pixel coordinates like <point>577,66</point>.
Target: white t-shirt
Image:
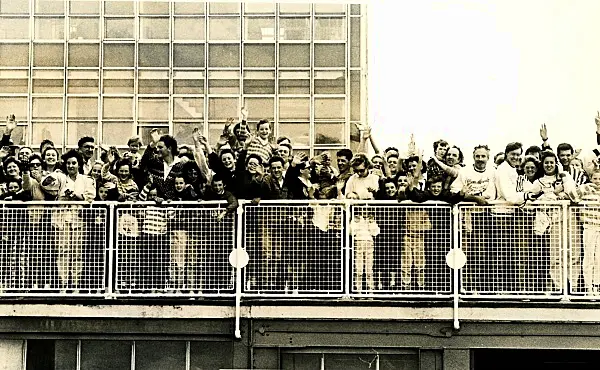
<point>359,185</point>
<point>481,183</point>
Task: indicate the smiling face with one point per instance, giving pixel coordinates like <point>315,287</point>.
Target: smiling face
<point>228,161</point>
<point>51,157</point>
<point>162,150</point>
<point>391,189</point>
<point>441,151</point>
<point>264,130</point>
<point>253,165</point>
<point>96,171</point>
<point>514,157</point>
<point>179,184</point>
<point>87,150</point>
<point>134,147</point>
<point>13,187</point>
<point>277,170</point>
<point>549,165</point>
<point>436,188</point>
<point>393,164</point>
<point>123,172</point>
<point>343,163</point>
<point>565,156</point>
<point>530,169</point>
<point>12,170</point>
<point>480,158</point>
<point>24,154</point>
<point>452,157</point>
<point>103,193</point>
<point>595,178</point>
<point>72,166</point>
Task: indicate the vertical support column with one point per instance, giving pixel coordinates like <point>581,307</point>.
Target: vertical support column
<point>455,270</point>
<point>564,229</point>
<point>112,216</point>
<point>348,251</point>
<point>238,270</point>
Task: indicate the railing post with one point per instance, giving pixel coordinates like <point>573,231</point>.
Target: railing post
<point>455,271</point>
<point>348,251</point>
<point>239,226</point>
<point>111,251</point>
<point>565,249</point>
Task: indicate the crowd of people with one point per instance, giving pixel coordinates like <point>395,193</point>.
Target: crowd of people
<point>248,163</point>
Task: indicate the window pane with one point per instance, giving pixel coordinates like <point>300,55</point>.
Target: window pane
<point>258,82</point>
<point>77,130</point>
<point>16,106</point>
<point>329,133</point>
<point>47,130</point>
<point>189,7</point>
<point>16,55</point>
<point>259,8</point>
<point>293,8</point>
<point>223,8</point>
<point>224,56</point>
<point>355,9</point>
<point>116,133</point>
<point>182,131</point>
<point>14,7</point>
<point>153,55</point>
<point>55,354</point>
<point>262,29</point>
<point>118,82</point>
<point>330,8</point>
<point>153,82</point>
<point>189,28</point>
<point>224,28</point>
<point>355,42</point>
<point>154,7</point>
<point>14,81</point>
<point>159,355</point>
<point>224,82</point>
<point>188,55</point>
<point>259,55</point>
<point>329,108</point>
<point>259,108</point>
<point>84,7</point>
<point>185,82</point>
<point>84,55</point>
<point>294,82</point>
<point>301,361</point>
<point>47,108</point>
<point>119,28</point>
<point>48,55</point>
<point>117,108</point>
<point>49,7</point>
<point>48,82</point>
<point>294,28</point>
<point>211,355</point>
<point>330,55</point>
<point>222,108</point>
<point>188,108</point>
<point>83,82</point>
<point>154,28</point>
<point>144,131</point>
<point>298,132</point>
<point>84,29</point>
<point>14,28</point>
<point>105,354</point>
<point>82,108</point>
<point>50,28</point>
<point>118,7</point>
<point>214,132</point>
<point>153,109</point>
<point>330,82</point>
<point>118,55</point>
<point>330,28</point>
<point>355,96</point>
<point>294,55</point>
<point>294,109</point>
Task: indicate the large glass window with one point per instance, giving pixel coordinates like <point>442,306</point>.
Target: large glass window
<point>48,55</point>
<point>47,108</point>
<point>14,55</point>
<point>118,82</point>
<point>224,28</point>
<point>14,81</point>
<point>153,55</point>
<point>153,82</point>
<point>118,7</point>
<point>119,28</point>
<point>327,28</point>
<point>84,28</point>
<point>259,28</point>
<point>117,108</point>
<point>294,55</point>
<point>154,7</point>
<point>223,55</point>
<point>188,108</point>
<point>14,105</point>
<point>84,55</point>
<point>259,82</point>
<point>82,108</point>
<point>224,82</point>
<point>84,7</point>
<point>294,28</point>
<point>160,355</point>
<point>119,55</point>
<point>219,109</point>
<point>259,55</point>
<point>14,28</point>
<point>152,28</point>
<point>189,28</point>
<point>48,81</point>
<point>14,7</point>
<point>188,55</point>
<point>330,55</point>
<point>104,354</point>
<point>188,82</point>
<point>151,109</point>
<point>117,132</point>
<point>49,28</point>
<point>45,7</point>
<point>83,82</point>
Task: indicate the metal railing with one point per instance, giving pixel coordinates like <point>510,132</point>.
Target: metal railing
<point>328,249</point>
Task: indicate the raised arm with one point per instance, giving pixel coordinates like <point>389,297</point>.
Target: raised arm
<point>544,137</point>
<point>11,124</point>
<point>448,169</point>
<point>201,142</point>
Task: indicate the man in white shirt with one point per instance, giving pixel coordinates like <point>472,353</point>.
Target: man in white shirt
<point>362,184</point>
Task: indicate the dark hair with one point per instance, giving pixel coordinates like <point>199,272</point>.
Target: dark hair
<point>36,156</point>
<point>276,158</point>
<point>85,139</point>
<point>530,158</point>
<point>44,164</point>
<point>359,159</point>
<point>481,146</point>
<point>389,149</point>
<point>414,158</point>
<point>186,147</point>
<point>170,142</point>
<point>437,143</point>
<point>393,155</point>
<point>254,155</point>
<point>124,162</point>
<point>512,146</point>
<point>187,155</point>
<point>17,180</point>
<point>217,177</point>
<point>387,180</point>
<point>434,179</point>
<point>289,146</point>
<point>72,154</point>
<point>9,160</point>
<point>346,153</point>
<point>282,139</point>
<point>262,122</point>
<point>226,151</point>
<point>547,154</point>
<point>564,146</point>
<point>534,149</point>
<point>46,142</point>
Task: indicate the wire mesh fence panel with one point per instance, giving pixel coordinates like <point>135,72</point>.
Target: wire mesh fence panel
<point>53,249</point>
<point>400,248</point>
<point>583,255</point>
<point>512,250</point>
<point>295,248</point>
<point>174,249</point>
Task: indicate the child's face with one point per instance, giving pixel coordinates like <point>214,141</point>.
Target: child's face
<point>96,171</point>
<point>134,147</point>
<point>228,160</point>
<point>402,182</point>
<point>218,186</point>
<point>123,173</point>
<point>179,184</point>
<point>435,188</point>
<point>264,130</point>
<point>13,187</point>
<point>595,178</point>
<point>103,193</point>
<point>576,163</point>
<point>390,189</point>
<point>153,194</point>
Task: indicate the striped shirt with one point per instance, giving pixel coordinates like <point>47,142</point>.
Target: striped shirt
<point>260,147</point>
<point>155,221</point>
